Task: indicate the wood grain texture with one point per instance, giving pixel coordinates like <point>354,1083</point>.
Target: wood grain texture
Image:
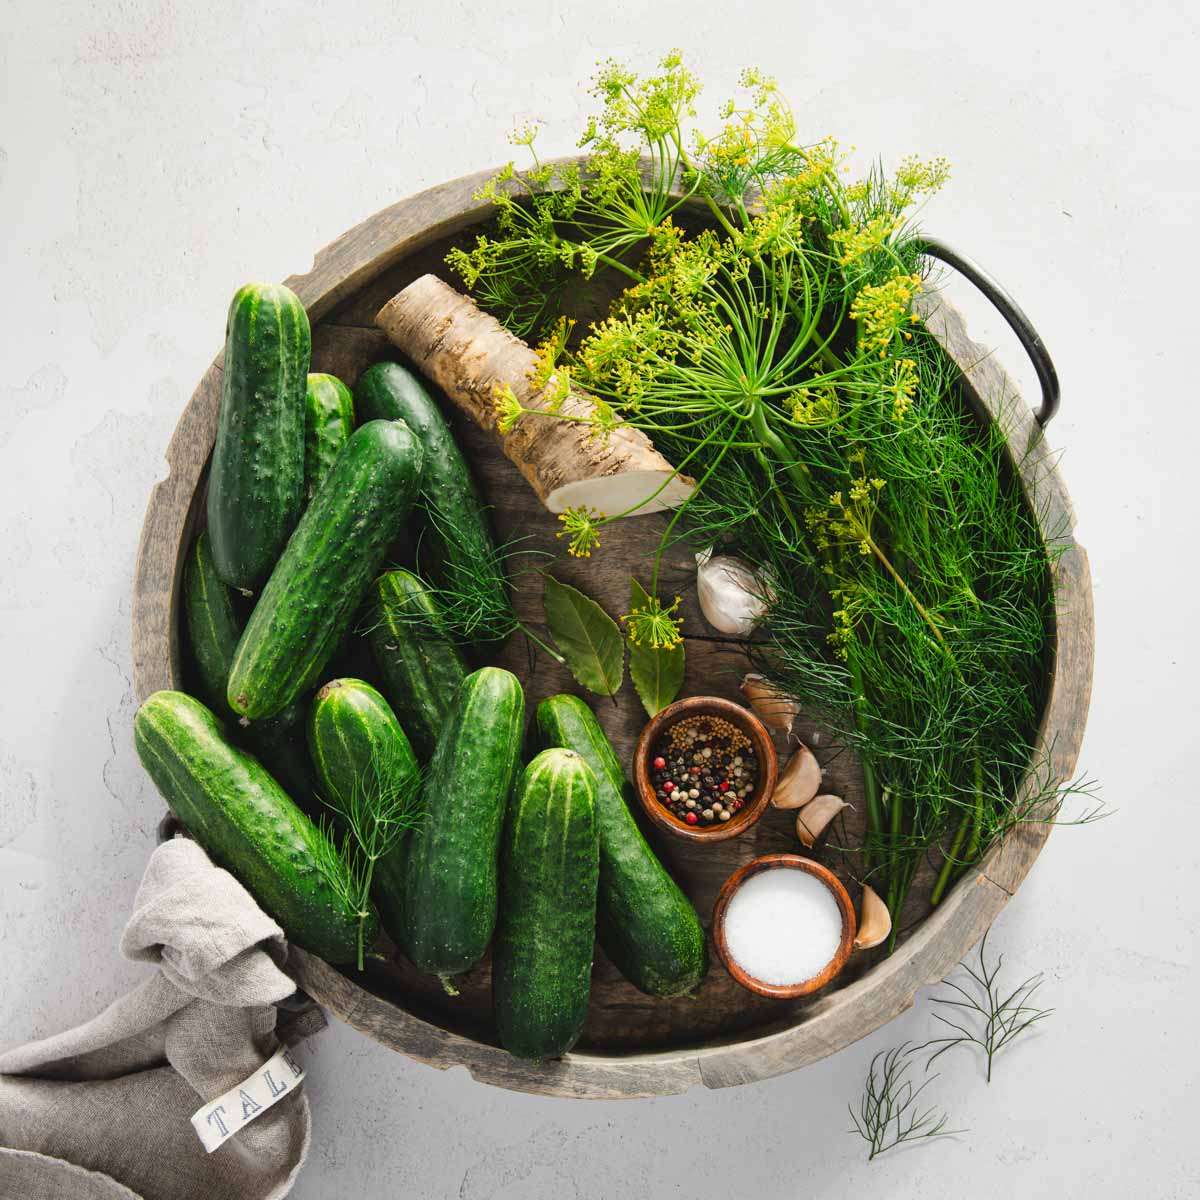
<point>633,1045</point>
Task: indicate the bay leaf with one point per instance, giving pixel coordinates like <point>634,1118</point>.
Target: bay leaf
<point>588,637</point>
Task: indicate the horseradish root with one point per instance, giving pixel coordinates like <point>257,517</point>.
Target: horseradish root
<point>567,462</point>
<point>799,782</point>
<point>874,920</point>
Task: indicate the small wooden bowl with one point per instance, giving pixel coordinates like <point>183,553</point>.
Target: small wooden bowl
<point>764,751</point>
<point>794,862</point>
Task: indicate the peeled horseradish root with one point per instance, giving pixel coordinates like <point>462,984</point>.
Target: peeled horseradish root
<point>469,354</point>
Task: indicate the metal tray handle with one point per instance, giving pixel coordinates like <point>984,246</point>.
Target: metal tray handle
<point>1020,324</point>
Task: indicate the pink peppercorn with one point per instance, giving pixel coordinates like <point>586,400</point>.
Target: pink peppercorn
<point>691,818</point>
<point>668,786</point>
<point>659,763</point>
<point>724,785</point>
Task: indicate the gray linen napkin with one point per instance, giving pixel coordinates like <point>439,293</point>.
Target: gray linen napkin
<point>115,1095</point>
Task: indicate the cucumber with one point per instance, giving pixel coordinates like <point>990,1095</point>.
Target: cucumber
<point>256,483</point>
<point>359,748</point>
<point>212,622</point>
<point>646,925</point>
<point>328,423</point>
<point>214,626</point>
<point>324,574</point>
<point>448,908</point>
<point>247,824</point>
<point>456,547</point>
<point>549,865</point>
<point>421,669</point>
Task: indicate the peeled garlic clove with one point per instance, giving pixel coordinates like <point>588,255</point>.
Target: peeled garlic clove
<point>813,818</point>
<point>799,781</point>
<point>776,711</point>
<point>874,920</point>
<point>732,596</point>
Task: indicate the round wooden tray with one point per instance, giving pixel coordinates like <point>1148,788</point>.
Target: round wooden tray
<point>633,1045</point>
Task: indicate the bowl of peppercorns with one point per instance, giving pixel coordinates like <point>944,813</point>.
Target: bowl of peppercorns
<point>705,769</point>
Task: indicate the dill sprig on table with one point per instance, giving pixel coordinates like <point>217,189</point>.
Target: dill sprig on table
<point>889,1113</point>
<point>766,339</point>
<point>985,1016</point>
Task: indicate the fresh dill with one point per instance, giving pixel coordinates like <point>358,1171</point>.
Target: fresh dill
<point>765,334</point>
<point>984,1015</point>
<point>366,825</point>
<point>889,1113</point>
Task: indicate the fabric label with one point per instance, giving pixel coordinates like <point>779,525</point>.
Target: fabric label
<point>221,1118</point>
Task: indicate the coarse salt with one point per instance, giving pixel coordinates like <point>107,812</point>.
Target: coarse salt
<point>782,926</point>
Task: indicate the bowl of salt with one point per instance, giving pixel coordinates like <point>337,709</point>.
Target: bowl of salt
<point>783,926</point>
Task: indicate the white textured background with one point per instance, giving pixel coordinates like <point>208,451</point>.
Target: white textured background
<point>155,155</point>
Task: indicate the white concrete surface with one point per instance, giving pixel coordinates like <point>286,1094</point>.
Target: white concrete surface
<point>153,155</point>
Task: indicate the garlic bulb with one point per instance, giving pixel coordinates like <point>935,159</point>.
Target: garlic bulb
<point>799,781</point>
<point>733,598</point>
<point>874,920</point>
<point>814,817</point>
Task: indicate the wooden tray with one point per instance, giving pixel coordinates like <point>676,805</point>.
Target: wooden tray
<point>633,1045</point>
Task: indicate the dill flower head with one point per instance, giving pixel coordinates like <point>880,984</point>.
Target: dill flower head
<point>653,625</point>
<point>508,407</point>
<point>581,526</point>
<point>547,372</point>
<point>863,239</point>
<point>884,311</point>
<point>903,386</point>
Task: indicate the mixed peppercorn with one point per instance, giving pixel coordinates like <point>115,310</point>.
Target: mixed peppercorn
<point>703,770</point>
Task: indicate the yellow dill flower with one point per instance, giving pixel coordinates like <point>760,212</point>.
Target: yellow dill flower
<point>508,407</point>
<point>864,239</point>
<point>525,135</point>
<point>903,386</point>
<point>653,625</point>
<point>922,175</point>
<point>547,374</point>
<point>581,526</point>
<point>883,309</point>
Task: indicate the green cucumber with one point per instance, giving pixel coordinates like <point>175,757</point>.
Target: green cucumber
<point>328,424</point>
<point>360,750</point>
<point>246,823</point>
<point>214,626</point>
<point>448,911</point>
<point>456,547</point>
<point>549,865</point>
<point>212,622</point>
<point>323,576</point>
<point>646,925</point>
<point>256,483</point>
<point>421,669</point>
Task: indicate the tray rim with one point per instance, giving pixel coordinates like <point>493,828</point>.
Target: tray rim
<point>833,1021</point>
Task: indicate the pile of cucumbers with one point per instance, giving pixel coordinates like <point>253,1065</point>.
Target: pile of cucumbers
<point>304,510</point>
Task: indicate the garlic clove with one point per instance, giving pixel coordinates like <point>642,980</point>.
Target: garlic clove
<point>874,920</point>
<point>799,781</point>
<point>731,594</point>
<point>813,819</point>
<point>776,711</point>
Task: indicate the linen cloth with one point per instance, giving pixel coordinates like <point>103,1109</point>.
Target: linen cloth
<point>114,1096</point>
